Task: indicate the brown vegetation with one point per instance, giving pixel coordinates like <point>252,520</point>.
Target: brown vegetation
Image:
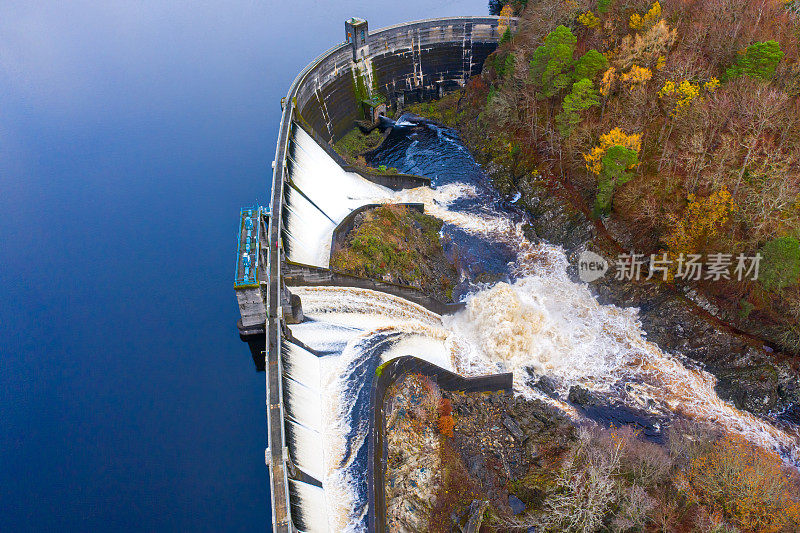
<point>711,89</point>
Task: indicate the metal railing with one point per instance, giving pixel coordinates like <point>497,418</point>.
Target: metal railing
<point>247,253</point>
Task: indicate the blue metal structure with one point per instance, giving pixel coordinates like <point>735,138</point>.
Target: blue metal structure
<point>247,251</point>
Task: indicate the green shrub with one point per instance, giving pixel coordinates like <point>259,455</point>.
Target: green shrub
<point>759,61</point>
<point>780,264</point>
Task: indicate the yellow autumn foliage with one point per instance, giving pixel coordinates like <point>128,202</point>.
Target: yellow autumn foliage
<point>637,76</point>
<point>702,221</point>
<point>607,81</point>
<point>638,22</point>
<point>711,85</point>
<point>589,19</point>
<point>505,19</point>
<point>594,159</point>
<point>684,92</point>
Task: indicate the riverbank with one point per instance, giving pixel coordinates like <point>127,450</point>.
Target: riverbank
<point>750,374</point>
<point>496,462</point>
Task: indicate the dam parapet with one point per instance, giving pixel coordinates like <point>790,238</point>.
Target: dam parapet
<point>313,192</point>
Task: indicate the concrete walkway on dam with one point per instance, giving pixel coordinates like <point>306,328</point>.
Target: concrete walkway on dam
<point>312,194</point>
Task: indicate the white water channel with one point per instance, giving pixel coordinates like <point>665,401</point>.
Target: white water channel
<point>540,321</point>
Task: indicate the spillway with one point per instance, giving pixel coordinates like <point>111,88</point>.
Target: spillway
<point>316,436</point>
<point>320,194</point>
<point>534,322</point>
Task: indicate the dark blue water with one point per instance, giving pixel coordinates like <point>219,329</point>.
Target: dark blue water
<point>416,146</point>
<point>130,135</point>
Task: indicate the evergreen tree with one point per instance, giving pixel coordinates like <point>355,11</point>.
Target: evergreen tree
<point>617,164</point>
<point>582,97</point>
<point>759,61</point>
<point>589,65</point>
<point>552,61</point>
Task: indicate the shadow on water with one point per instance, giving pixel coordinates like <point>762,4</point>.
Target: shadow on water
<point>358,378</point>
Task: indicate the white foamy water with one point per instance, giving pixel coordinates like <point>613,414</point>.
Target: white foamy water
<point>541,322</point>
<point>321,194</point>
<point>555,326</point>
<point>348,325</point>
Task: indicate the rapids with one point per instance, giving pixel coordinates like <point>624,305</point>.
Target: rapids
<point>534,322</point>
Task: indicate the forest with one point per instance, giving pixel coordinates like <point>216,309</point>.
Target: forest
<point>675,123</point>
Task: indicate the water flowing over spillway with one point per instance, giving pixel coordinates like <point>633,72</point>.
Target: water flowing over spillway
<point>535,322</point>
<point>319,195</point>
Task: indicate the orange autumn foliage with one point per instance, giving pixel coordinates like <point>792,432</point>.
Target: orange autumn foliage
<point>446,425</point>
<point>745,484</point>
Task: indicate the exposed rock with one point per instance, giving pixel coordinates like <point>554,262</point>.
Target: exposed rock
<point>517,505</point>
<point>514,428</point>
<point>413,467</point>
<point>476,512</point>
<point>580,396</point>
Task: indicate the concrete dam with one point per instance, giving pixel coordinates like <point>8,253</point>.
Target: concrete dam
<point>283,275</point>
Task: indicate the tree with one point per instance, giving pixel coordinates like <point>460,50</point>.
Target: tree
<point>645,22</point>
<point>745,483</point>
<point>552,60</point>
<point>589,65</point>
<point>495,6</point>
<point>780,264</point>
<point>617,164</point>
<point>582,97</point>
<point>589,19</point>
<point>637,77</point>
<point>507,36</point>
<point>702,222</point>
<point>504,65</point>
<point>759,61</point>
<point>594,163</point>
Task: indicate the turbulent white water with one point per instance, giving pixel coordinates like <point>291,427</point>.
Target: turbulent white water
<point>320,195</point>
<point>357,329</point>
<point>540,322</point>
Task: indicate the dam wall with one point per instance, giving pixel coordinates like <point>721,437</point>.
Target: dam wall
<point>313,192</point>
<point>428,55</point>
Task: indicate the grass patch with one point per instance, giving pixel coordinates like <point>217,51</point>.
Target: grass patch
<point>395,244</point>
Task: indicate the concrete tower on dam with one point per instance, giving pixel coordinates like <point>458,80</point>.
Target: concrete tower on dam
<point>314,195</point>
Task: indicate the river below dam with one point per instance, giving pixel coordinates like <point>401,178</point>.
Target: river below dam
<point>523,314</point>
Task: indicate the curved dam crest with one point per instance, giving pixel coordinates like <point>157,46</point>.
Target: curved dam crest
<point>311,194</point>
<point>329,335</point>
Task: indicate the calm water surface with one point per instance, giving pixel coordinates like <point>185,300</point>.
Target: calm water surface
<point>130,135</point>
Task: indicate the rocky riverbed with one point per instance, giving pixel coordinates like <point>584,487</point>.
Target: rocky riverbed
<point>750,373</point>
<point>452,456</point>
